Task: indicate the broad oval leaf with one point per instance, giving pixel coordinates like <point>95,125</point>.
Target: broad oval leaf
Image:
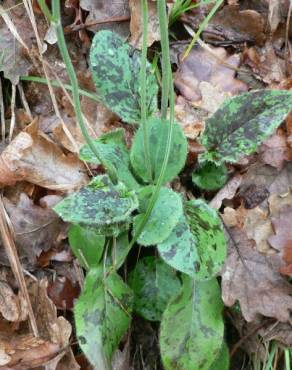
<point>86,245</point>
<point>179,250</point>
<point>207,227</point>
<point>192,327</point>
<point>165,215</point>
<point>154,283</point>
<point>210,177</point>
<point>115,68</point>
<point>100,204</point>
<point>102,316</point>
<point>243,123</point>
<point>157,133</point>
<point>222,361</point>
<point>114,154</point>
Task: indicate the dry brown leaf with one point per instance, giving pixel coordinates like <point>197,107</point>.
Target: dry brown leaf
<point>102,10</point>
<point>259,289</point>
<point>282,332</point>
<point>282,240</point>
<point>36,228</point>
<point>136,24</point>
<point>33,157</point>
<point>202,65</point>
<point>238,25</point>
<point>274,151</point>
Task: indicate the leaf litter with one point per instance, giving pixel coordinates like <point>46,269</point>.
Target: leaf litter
<point>244,39</point>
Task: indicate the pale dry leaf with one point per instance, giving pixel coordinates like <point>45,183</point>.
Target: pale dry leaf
<point>36,228</point>
<point>192,120</point>
<point>33,157</point>
<point>212,97</point>
<point>136,24</point>
<point>259,289</point>
<point>12,306</point>
<point>202,65</point>
<point>227,192</point>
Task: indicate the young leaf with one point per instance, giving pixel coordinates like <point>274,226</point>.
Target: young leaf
<point>165,215</point>
<point>115,68</point>
<point>243,123</point>
<point>206,225</point>
<point>209,176</point>
<point>86,245</point>
<point>100,204</point>
<point>153,283</point>
<point>179,250</point>
<point>102,316</point>
<point>114,152</point>
<point>192,327</point>
<point>157,138</point>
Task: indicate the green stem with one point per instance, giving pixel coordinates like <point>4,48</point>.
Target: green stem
<point>203,25</point>
<point>144,88</point>
<point>163,22</point>
<point>165,56</point>
<point>55,18</point>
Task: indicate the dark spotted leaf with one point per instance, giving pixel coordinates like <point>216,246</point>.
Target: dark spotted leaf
<point>165,215</point>
<point>243,123</point>
<point>207,227</point>
<point>115,68</point>
<point>192,327</point>
<point>153,283</point>
<point>157,138</point>
<point>222,361</point>
<point>86,244</point>
<point>114,154</point>
<point>102,316</point>
<point>101,205</point>
<point>179,250</point>
<point>209,176</point>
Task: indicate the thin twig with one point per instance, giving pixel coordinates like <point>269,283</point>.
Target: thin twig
<point>12,121</point>
<point>23,100</point>
<point>2,112</point>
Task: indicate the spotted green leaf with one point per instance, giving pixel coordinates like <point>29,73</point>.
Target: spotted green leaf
<point>179,250</point>
<point>243,123</point>
<point>157,134</point>
<point>222,361</point>
<point>86,245</point>
<point>153,283</point>
<point>209,176</point>
<point>206,225</point>
<point>102,316</point>
<point>165,215</point>
<point>114,154</point>
<point>101,205</point>
<point>192,327</point>
<point>115,68</point>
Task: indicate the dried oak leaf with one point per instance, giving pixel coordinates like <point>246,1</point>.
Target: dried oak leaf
<point>136,24</point>
<point>35,228</point>
<point>282,332</point>
<point>202,65</point>
<point>33,157</point>
<point>282,240</point>
<point>259,289</point>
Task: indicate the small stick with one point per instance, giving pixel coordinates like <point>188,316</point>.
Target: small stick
<point>2,113</point>
<point>12,121</point>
